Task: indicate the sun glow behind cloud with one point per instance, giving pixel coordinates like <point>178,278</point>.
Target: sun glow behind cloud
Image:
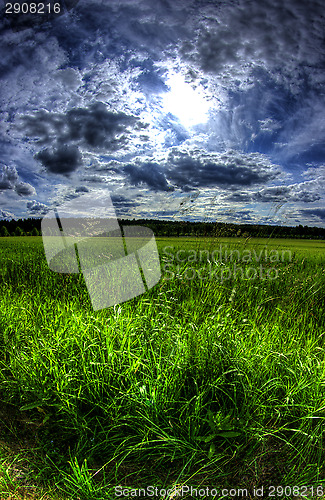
<point>190,106</point>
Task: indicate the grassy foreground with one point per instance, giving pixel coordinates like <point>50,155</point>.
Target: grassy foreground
<point>213,378</point>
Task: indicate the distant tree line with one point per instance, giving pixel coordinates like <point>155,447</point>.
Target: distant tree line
<point>20,227</point>
<point>223,229</point>
<point>32,227</point>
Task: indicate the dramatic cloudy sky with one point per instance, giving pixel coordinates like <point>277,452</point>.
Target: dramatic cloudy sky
<point>181,109</point>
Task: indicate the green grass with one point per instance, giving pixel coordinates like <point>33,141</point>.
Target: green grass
<point>217,380</point>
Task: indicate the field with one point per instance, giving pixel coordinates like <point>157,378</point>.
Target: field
<point>213,378</point>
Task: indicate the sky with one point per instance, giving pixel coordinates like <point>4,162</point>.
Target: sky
<point>195,110</point>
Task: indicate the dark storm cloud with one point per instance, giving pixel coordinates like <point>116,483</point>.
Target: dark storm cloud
<point>197,168</point>
<point>122,205</point>
<point>149,173</point>
<point>93,128</point>
<point>236,215</point>
<point>315,212</point>
<point>273,194</point>
<point>43,126</point>
<point>93,178</point>
<point>213,50</point>
<point>121,201</point>
<point>294,192</point>
<point>63,160</point>
<point>97,127</point>
<point>239,197</point>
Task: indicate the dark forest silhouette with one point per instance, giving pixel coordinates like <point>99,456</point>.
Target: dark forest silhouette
<point>32,227</point>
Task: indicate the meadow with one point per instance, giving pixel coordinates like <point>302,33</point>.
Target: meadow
<point>214,378</point>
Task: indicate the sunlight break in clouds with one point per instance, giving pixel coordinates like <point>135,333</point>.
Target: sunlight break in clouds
<point>188,105</point>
